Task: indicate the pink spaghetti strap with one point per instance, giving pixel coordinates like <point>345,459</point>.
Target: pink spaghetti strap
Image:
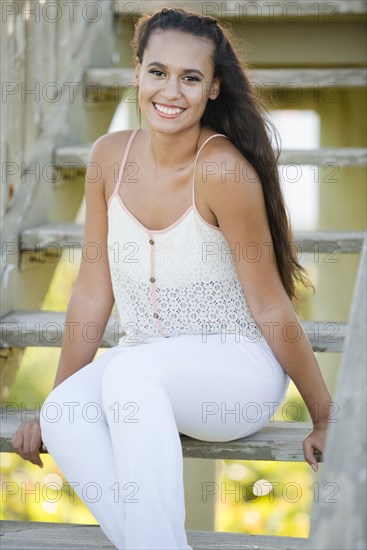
<point>127,149</point>
<point>196,158</point>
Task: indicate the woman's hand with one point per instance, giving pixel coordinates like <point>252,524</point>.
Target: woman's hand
<point>27,441</point>
<point>315,440</point>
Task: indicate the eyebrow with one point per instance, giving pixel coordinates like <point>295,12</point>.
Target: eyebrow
<point>184,70</point>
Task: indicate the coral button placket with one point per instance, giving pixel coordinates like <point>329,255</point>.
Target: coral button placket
<point>153,285</point>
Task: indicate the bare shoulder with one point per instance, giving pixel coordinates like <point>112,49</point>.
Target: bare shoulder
<point>107,152</point>
<point>226,175</point>
<point>225,155</point>
<point>216,151</point>
<point>107,145</point>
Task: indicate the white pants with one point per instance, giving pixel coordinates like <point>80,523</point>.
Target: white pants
<point>113,426</point>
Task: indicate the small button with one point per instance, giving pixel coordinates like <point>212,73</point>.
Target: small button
<point>152,280</point>
<point>156,315</point>
<point>151,241</point>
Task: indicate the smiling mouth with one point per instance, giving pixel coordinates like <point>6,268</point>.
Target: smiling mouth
<point>168,111</point>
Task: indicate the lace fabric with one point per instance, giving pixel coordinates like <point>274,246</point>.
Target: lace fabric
<point>180,280</point>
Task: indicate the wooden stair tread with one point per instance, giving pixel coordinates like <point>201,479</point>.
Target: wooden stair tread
<point>71,234</point>
<point>32,535</point>
<point>278,440</point>
<point>76,157</point>
<point>21,329</point>
<point>300,9</point>
<point>305,77</point>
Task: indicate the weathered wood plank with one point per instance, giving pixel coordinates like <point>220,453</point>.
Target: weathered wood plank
<point>120,78</point>
<point>6,49</point>
<point>31,43</point>
<point>279,440</point>
<point>72,72</point>
<point>110,77</point>
<point>341,156</point>
<point>51,238</point>
<point>32,535</point>
<point>15,105</point>
<point>328,242</point>
<point>33,82</point>
<point>341,522</point>
<point>309,77</point>
<point>318,10</point>
<point>31,196</point>
<point>20,329</point>
<point>77,156</point>
<point>73,155</point>
<point>66,36</point>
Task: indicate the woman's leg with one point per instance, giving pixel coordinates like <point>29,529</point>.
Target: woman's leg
<point>147,395</point>
<point>75,432</point>
<point>147,450</point>
<point>214,390</point>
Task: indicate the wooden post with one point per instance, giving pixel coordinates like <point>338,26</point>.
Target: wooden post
<point>339,517</point>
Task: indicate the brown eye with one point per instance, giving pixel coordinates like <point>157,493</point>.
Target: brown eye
<point>155,71</point>
<point>194,78</point>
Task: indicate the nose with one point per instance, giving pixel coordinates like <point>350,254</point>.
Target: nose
<point>171,89</point>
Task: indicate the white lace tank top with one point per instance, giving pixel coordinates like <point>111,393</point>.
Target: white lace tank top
<point>178,280</point>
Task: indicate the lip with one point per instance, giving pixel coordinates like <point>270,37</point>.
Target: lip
<point>163,115</point>
<point>168,106</point>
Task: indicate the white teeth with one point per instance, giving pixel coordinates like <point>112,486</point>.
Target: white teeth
<point>168,111</point>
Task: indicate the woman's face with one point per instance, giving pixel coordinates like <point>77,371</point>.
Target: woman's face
<point>176,71</point>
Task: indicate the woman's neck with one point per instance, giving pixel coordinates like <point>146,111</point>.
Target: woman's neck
<point>169,153</point>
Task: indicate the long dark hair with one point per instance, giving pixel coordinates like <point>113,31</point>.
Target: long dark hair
<point>235,111</point>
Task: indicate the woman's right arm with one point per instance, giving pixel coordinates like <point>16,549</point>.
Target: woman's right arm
<point>91,301</point>
<point>92,297</point>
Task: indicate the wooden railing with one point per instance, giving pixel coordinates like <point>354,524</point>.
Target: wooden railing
<point>40,42</point>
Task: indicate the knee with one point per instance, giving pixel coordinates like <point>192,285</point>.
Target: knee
<point>55,415</point>
<point>49,417</point>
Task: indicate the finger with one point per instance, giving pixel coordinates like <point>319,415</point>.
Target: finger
<point>34,447</point>
<point>309,456</point>
<point>17,442</point>
<point>17,438</point>
<point>34,437</point>
<point>26,446</point>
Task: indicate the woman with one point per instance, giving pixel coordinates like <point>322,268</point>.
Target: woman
<point>194,246</point>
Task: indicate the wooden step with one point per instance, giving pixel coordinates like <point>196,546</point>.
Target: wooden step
<point>74,158</point>
<point>339,156</point>
<point>20,329</point>
<point>278,440</point>
<point>37,535</point>
<point>50,238</point>
<point>117,79</point>
<point>315,11</point>
<point>309,77</point>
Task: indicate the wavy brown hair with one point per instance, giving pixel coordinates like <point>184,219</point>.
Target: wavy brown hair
<point>236,110</point>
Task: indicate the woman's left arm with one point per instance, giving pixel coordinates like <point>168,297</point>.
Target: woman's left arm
<point>236,198</point>
<point>296,356</point>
